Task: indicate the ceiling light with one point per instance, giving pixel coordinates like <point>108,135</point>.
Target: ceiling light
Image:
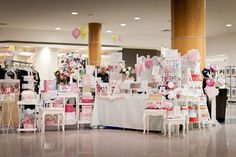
<point>58,28</point>
<point>137,18</point>
<point>109,31</point>
<point>228,25</point>
<point>74,13</point>
<point>123,24</point>
<point>3,24</point>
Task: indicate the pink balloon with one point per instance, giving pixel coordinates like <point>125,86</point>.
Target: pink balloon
<point>210,82</point>
<point>76,33</point>
<point>211,91</point>
<point>120,38</point>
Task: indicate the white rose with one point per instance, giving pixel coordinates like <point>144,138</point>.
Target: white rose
<point>129,68</point>
<point>127,72</point>
<point>124,70</point>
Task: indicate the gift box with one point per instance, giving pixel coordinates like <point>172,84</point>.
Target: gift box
<point>28,95</point>
<point>64,88</point>
<point>195,77</point>
<point>193,119</point>
<point>50,85</point>
<point>87,100</point>
<point>58,103</point>
<point>69,108</point>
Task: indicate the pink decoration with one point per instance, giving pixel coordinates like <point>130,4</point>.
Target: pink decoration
<point>171,85</point>
<point>148,63</point>
<point>167,105</point>
<point>211,91</point>
<point>49,85</point>
<point>28,123</point>
<point>76,33</point>
<point>193,56</point>
<point>142,68</point>
<point>214,68</point>
<point>139,68</point>
<point>58,103</point>
<point>69,108</point>
<point>210,82</point>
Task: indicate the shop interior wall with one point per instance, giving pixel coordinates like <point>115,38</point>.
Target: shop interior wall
<point>129,54</point>
<point>223,45</point>
<point>46,64</point>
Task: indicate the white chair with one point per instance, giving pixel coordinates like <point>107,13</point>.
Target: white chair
<point>152,112</point>
<point>176,119</point>
<point>49,110</point>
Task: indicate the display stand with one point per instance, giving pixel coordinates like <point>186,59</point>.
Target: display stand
<point>21,105</point>
<point>63,96</point>
<point>9,95</point>
<point>213,113</point>
<point>9,112</point>
<point>87,84</point>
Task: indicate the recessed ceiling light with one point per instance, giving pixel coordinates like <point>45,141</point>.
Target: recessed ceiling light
<point>74,13</point>
<point>137,18</point>
<point>3,24</point>
<point>166,30</point>
<point>90,14</point>
<point>123,24</point>
<point>109,31</point>
<point>58,28</point>
<point>228,25</point>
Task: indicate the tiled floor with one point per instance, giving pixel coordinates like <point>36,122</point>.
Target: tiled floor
<point>230,114</point>
<point>218,142</point>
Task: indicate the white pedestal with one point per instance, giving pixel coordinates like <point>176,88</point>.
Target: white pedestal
<point>213,113</point>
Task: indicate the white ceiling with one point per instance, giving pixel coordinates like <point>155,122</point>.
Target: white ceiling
<point>46,15</point>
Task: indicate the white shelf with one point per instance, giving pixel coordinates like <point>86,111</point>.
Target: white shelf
<point>86,104</point>
<point>27,103</point>
<point>29,129</point>
<point>91,86</point>
<point>84,122</point>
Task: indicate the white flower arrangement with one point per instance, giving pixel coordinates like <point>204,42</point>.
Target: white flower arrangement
<point>126,71</point>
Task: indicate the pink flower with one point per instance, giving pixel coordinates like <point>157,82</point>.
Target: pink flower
<point>148,63</point>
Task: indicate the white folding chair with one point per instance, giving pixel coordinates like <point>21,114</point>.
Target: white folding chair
<point>175,118</point>
<point>50,110</point>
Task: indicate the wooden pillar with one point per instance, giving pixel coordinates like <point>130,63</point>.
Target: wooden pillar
<point>188,26</point>
<point>95,43</point>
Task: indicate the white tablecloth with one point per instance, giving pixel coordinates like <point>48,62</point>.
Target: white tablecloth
<point>122,111</point>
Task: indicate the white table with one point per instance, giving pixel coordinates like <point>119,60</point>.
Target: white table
<point>124,111</point>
